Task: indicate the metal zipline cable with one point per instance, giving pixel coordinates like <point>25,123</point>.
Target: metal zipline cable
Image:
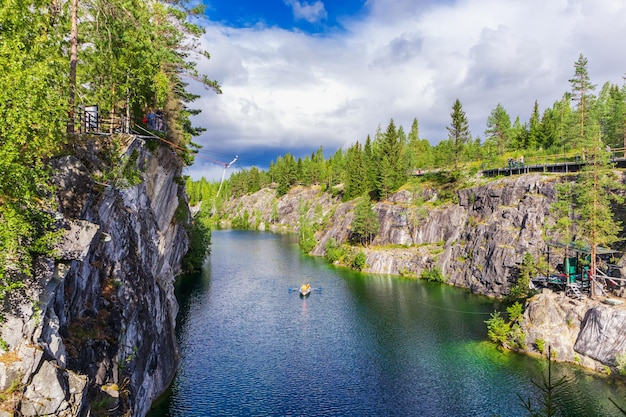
<point>184,149</point>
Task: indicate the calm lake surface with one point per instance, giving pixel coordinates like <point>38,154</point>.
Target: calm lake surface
<point>362,345</point>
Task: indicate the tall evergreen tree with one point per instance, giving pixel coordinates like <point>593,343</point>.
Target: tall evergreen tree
<point>458,131</point>
<point>612,113</point>
<point>498,129</point>
<point>356,173</point>
<point>548,134</point>
<point>391,168</point>
<point>317,166</point>
<point>365,224</point>
<point>582,92</point>
<point>595,191</point>
<point>412,149</point>
<point>534,129</point>
<point>370,164</point>
<point>519,133</point>
<point>283,173</point>
<point>563,114</point>
<point>418,151</point>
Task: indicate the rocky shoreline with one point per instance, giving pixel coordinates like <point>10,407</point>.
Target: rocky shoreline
<point>477,241</point>
<point>92,332</point>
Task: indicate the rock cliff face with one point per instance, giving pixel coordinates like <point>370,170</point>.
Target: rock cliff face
<point>478,243</point>
<point>92,333</point>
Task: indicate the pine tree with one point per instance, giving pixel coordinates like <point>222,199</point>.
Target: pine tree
<point>612,113</point>
<point>316,171</point>
<point>458,131</point>
<point>413,146</point>
<point>390,168</point>
<point>365,224</point>
<point>534,129</point>
<point>498,129</point>
<point>519,132</point>
<point>335,168</point>
<point>370,164</point>
<point>595,191</point>
<point>548,134</point>
<point>582,89</point>
<point>356,178</point>
<point>285,173</point>
<point>563,114</point>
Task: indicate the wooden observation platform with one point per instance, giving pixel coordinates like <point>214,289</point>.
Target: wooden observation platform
<point>558,163</point>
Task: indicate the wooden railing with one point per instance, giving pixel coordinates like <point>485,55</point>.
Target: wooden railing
<point>560,162</point>
<point>88,119</point>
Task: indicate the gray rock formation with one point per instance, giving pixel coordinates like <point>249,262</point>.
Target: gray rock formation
<point>477,242</point>
<point>92,333</point>
<point>582,331</point>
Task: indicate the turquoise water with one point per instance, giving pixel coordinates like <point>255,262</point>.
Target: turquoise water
<point>362,345</point>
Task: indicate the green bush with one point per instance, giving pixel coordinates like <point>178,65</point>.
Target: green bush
<point>360,260</point>
<point>306,239</point>
<point>334,251</point>
<point>507,333</point>
<point>242,222</point>
<point>540,344</point>
<point>498,329</point>
<point>433,275</point>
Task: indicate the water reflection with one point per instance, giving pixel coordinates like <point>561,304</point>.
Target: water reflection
<point>364,345</point>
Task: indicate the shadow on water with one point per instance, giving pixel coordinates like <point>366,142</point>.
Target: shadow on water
<point>186,288</point>
<point>363,345</point>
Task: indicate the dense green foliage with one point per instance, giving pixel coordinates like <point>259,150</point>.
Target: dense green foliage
<point>365,223</point>
<point>306,229</point>
<point>580,125</point>
<point>382,164</point>
<point>360,261</point>
<point>199,242</point>
<point>131,55</point>
<point>507,333</point>
<point>135,55</point>
<point>334,251</point>
<point>33,123</point>
<point>433,275</point>
<point>528,269</point>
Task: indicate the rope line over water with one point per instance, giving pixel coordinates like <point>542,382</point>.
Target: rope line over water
<point>455,310</point>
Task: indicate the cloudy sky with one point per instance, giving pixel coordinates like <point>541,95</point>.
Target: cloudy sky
<point>297,75</point>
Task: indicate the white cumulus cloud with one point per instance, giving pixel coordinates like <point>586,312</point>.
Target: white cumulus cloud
<point>287,91</point>
<point>312,13</point>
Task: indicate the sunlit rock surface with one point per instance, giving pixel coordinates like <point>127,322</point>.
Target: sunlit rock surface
<point>478,241</point>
